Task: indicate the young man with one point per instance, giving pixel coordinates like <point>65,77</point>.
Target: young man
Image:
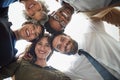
<point>99,45</point>
<point>102,10</point>
<point>29,31</point>
<point>65,44</point>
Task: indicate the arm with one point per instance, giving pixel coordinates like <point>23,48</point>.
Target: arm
<point>9,70</point>
<point>110,15</point>
<point>6,51</point>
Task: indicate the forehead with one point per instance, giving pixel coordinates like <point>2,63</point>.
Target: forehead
<point>57,39</point>
<point>43,39</point>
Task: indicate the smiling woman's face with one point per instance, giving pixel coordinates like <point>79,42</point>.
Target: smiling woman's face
<point>35,10</point>
<point>42,48</point>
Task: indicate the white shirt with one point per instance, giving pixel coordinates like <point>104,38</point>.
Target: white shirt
<point>102,47</point>
<point>87,5</point>
<point>82,69</point>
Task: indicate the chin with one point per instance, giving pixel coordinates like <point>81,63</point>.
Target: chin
<point>44,19</point>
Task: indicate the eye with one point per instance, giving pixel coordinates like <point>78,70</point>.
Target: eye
<point>39,43</point>
<point>47,45</point>
<point>63,24</point>
<point>58,46</point>
<point>62,39</point>
<point>39,10</point>
<point>56,17</point>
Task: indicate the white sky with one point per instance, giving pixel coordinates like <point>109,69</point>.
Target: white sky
<point>58,61</point>
<point>75,26</point>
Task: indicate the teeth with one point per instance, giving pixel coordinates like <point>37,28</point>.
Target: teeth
<point>65,14</point>
<point>27,32</point>
<point>42,52</point>
<point>31,6</point>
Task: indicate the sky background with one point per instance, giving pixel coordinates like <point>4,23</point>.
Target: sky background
<point>76,26</point>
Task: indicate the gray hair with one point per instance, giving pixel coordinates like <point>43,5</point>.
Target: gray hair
<point>44,6</point>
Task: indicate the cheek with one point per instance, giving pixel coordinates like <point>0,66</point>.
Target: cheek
<point>49,50</point>
<point>29,12</point>
<point>32,37</point>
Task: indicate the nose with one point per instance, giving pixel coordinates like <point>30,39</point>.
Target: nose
<point>42,47</point>
<point>64,44</point>
<point>33,32</point>
<point>33,9</point>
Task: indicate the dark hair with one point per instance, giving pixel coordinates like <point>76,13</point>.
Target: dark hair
<point>31,49</point>
<point>49,28</point>
<point>37,24</point>
<point>75,44</point>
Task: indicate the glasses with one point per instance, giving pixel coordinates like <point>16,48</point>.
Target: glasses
<point>61,22</point>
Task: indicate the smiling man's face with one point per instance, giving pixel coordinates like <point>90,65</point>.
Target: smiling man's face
<point>62,43</point>
<point>30,31</point>
<point>59,19</point>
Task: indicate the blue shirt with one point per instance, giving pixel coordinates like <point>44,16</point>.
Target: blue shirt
<point>6,3</point>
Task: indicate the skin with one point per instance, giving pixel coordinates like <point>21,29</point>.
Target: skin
<point>28,32</point>
<point>63,16</point>
<point>34,9</point>
<point>42,50</point>
<point>62,43</point>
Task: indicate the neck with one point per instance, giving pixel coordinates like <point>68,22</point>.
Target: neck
<point>17,34</point>
<point>41,62</point>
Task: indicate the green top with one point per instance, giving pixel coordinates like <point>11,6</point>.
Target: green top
<point>24,70</point>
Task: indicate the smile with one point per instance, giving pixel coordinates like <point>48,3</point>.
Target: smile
<point>27,32</point>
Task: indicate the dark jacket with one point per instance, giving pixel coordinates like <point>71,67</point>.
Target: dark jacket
<point>7,43</point>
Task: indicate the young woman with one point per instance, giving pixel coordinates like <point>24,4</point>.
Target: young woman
<point>36,68</point>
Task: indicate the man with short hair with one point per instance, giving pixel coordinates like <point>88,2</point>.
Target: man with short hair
<point>98,44</point>
<point>63,43</point>
<point>102,9</point>
<point>30,31</point>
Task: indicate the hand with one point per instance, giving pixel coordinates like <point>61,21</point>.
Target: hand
<point>27,56</point>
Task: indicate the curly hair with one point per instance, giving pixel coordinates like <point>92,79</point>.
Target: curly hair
<point>31,48</point>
